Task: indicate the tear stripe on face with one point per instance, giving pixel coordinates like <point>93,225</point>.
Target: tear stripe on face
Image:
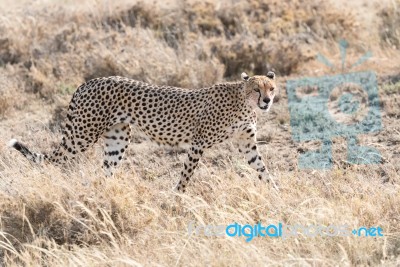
<point>259,97</point>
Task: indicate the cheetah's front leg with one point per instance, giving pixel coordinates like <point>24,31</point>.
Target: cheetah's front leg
<point>190,165</point>
<point>248,146</point>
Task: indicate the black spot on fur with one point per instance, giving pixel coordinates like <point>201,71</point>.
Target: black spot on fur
<point>252,160</point>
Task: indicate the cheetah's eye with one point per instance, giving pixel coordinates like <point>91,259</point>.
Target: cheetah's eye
<point>257,89</point>
<point>272,89</point>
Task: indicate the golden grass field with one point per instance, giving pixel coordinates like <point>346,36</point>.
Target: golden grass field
<point>77,217</point>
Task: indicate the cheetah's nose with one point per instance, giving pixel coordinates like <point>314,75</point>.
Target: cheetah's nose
<point>266,100</point>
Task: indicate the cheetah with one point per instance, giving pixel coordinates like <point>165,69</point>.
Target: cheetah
<point>199,118</point>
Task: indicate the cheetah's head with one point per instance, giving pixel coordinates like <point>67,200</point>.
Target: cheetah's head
<point>260,89</point>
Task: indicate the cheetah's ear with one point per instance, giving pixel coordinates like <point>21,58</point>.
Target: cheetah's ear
<point>271,75</point>
<point>245,77</point>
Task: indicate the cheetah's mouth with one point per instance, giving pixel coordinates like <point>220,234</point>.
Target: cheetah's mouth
<point>264,108</point>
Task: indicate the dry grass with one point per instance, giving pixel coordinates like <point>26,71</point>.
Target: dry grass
<point>75,217</point>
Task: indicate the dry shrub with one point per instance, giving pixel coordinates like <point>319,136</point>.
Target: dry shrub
<point>191,44</point>
<point>390,26</point>
<point>39,83</point>
<point>8,55</point>
<point>9,95</point>
<point>32,219</point>
<point>277,35</point>
<point>256,36</point>
<point>75,223</point>
<point>102,67</point>
<point>267,35</point>
<point>391,105</point>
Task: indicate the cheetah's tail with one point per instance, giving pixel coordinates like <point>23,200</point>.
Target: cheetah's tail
<point>34,157</point>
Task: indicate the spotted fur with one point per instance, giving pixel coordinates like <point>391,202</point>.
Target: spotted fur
<point>108,107</point>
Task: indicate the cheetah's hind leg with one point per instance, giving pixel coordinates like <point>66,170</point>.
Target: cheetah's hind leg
<point>116,141</point>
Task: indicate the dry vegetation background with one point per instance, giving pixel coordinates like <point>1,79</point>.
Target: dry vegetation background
<point>75,217</point>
